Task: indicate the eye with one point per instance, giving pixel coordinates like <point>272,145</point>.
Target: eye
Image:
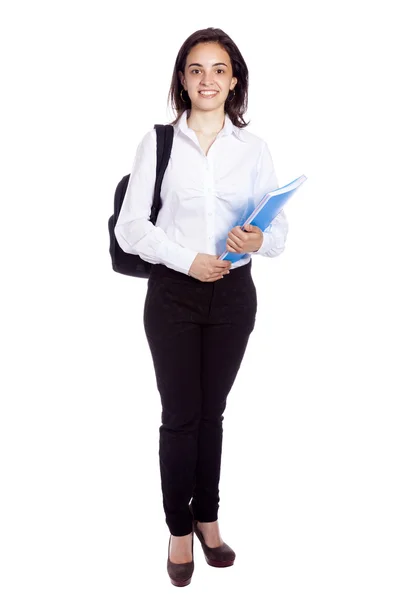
<point>193,70</point>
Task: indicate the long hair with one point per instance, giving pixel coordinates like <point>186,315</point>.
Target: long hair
<point>234,107</point>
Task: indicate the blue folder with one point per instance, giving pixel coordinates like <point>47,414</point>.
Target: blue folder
<point>266,210</point>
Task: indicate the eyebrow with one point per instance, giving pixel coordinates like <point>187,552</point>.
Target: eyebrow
<point>199,65</point>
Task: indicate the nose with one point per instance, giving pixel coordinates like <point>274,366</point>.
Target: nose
<point>207,79</point>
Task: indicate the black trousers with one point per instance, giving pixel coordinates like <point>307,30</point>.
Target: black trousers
<point>197,334</point>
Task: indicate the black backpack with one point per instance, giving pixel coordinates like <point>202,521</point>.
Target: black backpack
<point>132,264</point>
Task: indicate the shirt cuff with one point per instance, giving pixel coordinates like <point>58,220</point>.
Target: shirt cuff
<point>177,257</point>
<point>266,244</point>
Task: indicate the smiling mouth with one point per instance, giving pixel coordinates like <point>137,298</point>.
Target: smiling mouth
<point>208,94</point>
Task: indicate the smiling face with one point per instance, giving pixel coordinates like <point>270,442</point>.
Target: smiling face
<point>208,67</point>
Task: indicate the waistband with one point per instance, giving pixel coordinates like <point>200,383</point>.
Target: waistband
<point>160,270</point>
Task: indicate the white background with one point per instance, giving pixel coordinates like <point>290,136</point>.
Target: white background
<point>310,474</point>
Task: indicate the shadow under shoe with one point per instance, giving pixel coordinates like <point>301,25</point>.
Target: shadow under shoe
<point>221,556</point>
<point>180,574</point>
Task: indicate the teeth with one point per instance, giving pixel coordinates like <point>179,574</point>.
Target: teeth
<point>208,93</point>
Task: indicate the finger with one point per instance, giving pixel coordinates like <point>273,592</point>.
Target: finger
<point>232,247</point>
<point>238,236</point>
<point>222,265</point>
<point>218,275</point>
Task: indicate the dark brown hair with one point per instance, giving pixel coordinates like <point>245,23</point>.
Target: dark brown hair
<point>235,107</point>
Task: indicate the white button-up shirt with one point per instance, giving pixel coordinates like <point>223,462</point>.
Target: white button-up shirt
<point>203,197</point>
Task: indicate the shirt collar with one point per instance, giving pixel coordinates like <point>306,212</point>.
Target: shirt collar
<point>227,129</point>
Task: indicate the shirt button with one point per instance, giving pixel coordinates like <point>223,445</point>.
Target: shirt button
<point>209,214</point>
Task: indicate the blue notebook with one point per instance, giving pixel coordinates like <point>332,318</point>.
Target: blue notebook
<point>266,210</point>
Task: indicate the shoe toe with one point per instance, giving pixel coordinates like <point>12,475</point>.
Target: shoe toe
<point>221,554</point>
<point>180,573</point>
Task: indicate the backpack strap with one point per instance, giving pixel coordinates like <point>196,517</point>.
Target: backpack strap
<point>165,138</point>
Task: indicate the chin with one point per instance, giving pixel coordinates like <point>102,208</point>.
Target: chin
<point>207,107</point>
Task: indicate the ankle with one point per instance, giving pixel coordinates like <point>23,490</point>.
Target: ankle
<point>182,538</point>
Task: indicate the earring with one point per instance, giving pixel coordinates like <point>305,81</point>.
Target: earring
<point>231,98</point>
<point>182,90</point>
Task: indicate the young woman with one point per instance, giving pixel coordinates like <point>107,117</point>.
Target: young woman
<point>197,321</point>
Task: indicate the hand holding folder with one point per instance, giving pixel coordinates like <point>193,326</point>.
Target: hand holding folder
<point>266,211</point>
<point>245,243</point>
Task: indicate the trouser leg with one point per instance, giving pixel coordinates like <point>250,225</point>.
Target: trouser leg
<point>231,320</point>
<point>176,353</point>
<point>222,351</point>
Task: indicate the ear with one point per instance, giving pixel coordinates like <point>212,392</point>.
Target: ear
<point>181,77</point>
<point>234,80</point>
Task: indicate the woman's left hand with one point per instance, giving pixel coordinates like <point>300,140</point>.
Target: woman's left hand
<point>241,242</point>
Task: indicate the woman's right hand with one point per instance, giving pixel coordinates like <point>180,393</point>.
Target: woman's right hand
<point>208,267</point>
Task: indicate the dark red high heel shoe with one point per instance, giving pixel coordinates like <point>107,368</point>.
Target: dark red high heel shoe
<point>180,574</point>
<point>221,556</point>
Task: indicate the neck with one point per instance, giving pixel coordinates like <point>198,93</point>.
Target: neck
<point>206,122</point>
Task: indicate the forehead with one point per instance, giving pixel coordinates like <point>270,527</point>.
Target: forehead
<point>208,53</point>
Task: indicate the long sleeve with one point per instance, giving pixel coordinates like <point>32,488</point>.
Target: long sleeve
<point>133,231</point>
<point>276,233</point>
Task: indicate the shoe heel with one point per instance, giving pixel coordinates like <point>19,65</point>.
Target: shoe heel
<point>222,556</point>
